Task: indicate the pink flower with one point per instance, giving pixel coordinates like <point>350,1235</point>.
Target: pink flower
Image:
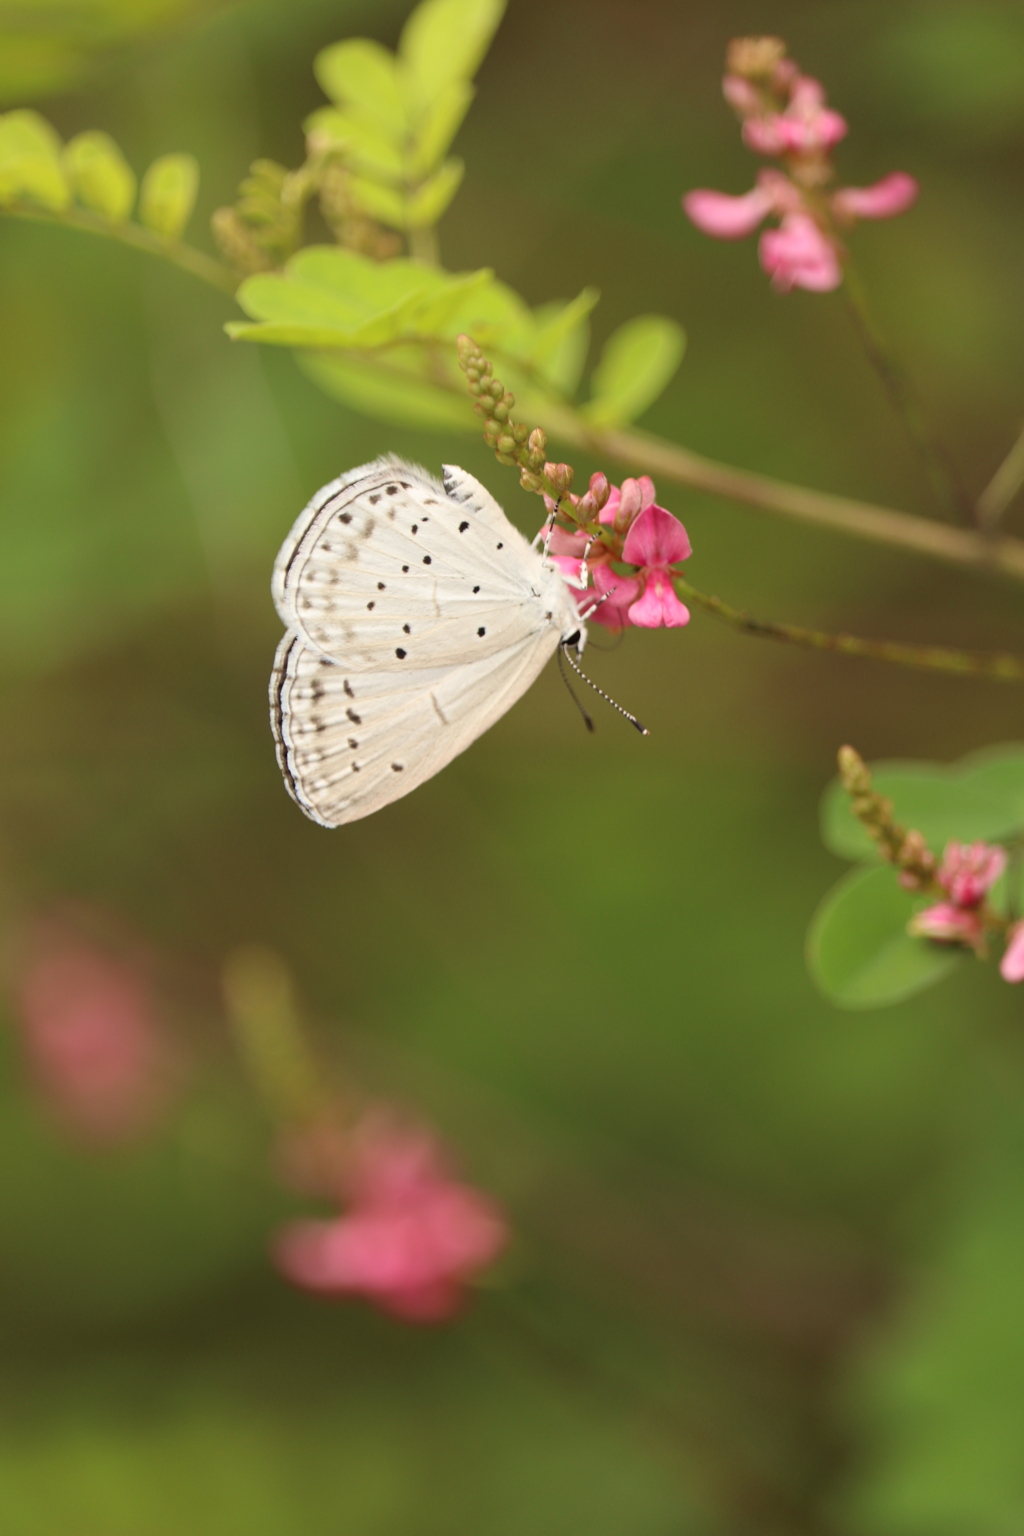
<point>799,255</point>
<point>92,1036</point>
<point>412,1237</point>
<point>625,503</point>
<point>968,872</point>
<point>656,541</point>
<point>882,200</point>
<point>611,598</point>
<point>1011,967</point>
<point>784,115</point>
<point>949,924</point>
<point>726,217</point>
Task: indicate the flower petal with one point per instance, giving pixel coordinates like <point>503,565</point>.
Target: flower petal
<point>725,217</point>
<point>799,255</point>
<point>656,539</point>
<point>882,200</point>
<point>1011,966</point>
<point>659,605</point>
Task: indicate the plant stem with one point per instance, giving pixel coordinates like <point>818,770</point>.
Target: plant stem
<point>898,386</point>
<point>423,245</point>
<point>1003,486</point>
<point>860,519</point>
<point>635,449</point>
<point>998,665</point>
<point>176,251</point>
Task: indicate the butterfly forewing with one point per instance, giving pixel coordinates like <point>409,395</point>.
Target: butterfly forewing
<point>387,568</point>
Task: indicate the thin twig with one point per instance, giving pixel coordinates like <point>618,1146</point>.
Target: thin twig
<point>1003,486</point>
<point>1001,666</point>
<point>904,397</point>
<point>185,256</point>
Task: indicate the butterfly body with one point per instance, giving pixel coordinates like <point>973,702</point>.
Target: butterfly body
<point>416,616</point>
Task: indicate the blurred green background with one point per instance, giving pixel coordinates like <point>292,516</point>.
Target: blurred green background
<point>769,1275</point>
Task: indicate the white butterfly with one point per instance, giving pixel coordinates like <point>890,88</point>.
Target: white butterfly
<point>417,615</point>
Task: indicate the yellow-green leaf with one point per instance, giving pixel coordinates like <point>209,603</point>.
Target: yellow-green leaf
<point>360,74</point>
<point>444,41</point>
<point>438,125</point>
<point>366,147</point>
<point>431,198</point>
<point>168,194</point>
<point>30,161</point>
<point>100,176</point>
<point>637,362</point>
<point>386,204</point>
<point>403,392</point>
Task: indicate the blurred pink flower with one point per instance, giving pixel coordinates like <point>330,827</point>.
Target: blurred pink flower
<point>1011,967</point>
<point>799,255</point>
<point>413,1236</point>
<point>968,871</point>
<point>884,199</point>
<point>786,116</point>
<point>806,126</point>
<point>949,924</point>
<point>92,1036</point>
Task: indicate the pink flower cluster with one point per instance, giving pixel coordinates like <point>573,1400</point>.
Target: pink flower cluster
<point>633,531</point>
<point>91,1035</point>
<point>412,1235</point>
<point>784,116</point>
<point>967,873</point>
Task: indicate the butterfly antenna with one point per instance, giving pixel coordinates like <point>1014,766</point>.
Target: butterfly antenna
<point>563,650</point>
<point>572,692</point>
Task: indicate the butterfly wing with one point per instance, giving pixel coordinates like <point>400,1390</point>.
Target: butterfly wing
<point>350,742</point>
<point>387,568</point>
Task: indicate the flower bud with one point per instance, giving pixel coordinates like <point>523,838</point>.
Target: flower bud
<point>538,440</point>
<point>531,482</point>
<point>506,446</point>
<point>755,58</point>
<point>560,477</point>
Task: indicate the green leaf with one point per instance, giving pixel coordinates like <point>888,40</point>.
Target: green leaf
<point>364,76</point>
<point>429,201</point>
<point>368,149</point>
<point>398,392</point>
<point>980,798</point>
<point>328,297</point>
<point>858,948</point>
<point>100,176</point>
<point>444,41</point>
<point>438,125</point>
<point>385,204</point>
<point>168,194</point>
<point>636,364</point>
<point>30,161</point>
<point>562,336</point>
<point>998,772</point>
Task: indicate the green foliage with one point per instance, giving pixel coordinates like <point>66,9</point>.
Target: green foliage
<point>637,362</point>
<point>980,797</point>
<point>49,45</point>
<point>100,176</point>
<point>858,948</point>
<point>395,115</point>
<point>168,195</point>
<point>384,332</point>
<point>30,162</point>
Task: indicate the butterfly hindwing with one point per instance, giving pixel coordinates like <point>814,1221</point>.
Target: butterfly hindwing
<point>349,743</point>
